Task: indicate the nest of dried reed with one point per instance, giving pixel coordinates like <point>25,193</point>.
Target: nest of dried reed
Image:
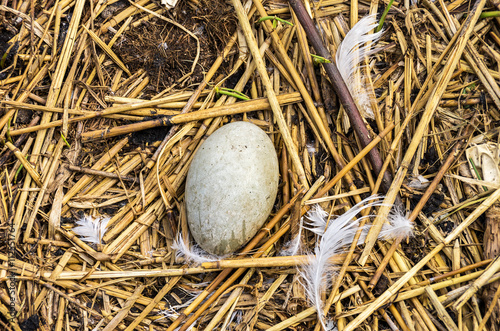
<point>104,104</point>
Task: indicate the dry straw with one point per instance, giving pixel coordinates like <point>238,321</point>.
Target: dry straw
<point>104,105</point>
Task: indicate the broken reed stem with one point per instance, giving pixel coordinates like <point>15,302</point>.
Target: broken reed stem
<point>273,101</point>
<point>19,155</point>
<point>107,50</point>
<point>85,180</point>
<point>413,293</point>
<point>99,173</point>
<point>274,261</point>
<point>340,88</point>
<point>33,83</point>
<point>113,324</point>
<point>382,311</point>
<point>432,280</point>
<point>440,310</point>
<point>170,284</point>
<point>431,106</point>
<point>107,111</point>
<point>490,310</point>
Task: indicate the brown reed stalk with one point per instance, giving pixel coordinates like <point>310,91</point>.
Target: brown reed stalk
<point>340,88</point>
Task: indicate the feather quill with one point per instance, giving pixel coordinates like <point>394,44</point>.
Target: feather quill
<point>194,255</point>
<point>91,229</point>
<point>356,45</point>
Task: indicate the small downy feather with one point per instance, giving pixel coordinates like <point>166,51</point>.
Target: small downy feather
<point>317,274</point>
<point>194,255</point>
<point>91,229</point>
<point>356,45</point>
<point>317,222</point>
<point>398,226</point>
<point>294,246</point>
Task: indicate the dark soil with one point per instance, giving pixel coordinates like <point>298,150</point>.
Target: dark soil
<point>149,136</point>
<point>166,52</point>
<point>30,324</point>
<point>7,50</point>
<point>414,248</point>
<point>432,205</point>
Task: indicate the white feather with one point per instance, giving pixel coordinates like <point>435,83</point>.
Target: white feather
<point>356,45</point>
<point>194,255</point>
<point>316,220</point>
<point>310,148</point>
<point>293,247</point>
<point>398,226</point>
<point>336,238</point>
<point>91,229</point>
<point>339,233</point>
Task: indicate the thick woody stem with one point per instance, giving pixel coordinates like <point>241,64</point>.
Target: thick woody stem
<point>340,88</point>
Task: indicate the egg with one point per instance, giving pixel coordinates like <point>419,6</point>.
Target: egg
<point>231,187</point>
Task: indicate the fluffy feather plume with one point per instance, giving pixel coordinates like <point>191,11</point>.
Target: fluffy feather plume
<point>356,45</point>
<point>398,226</point>
<point>316,220</point>
<point>91,229</point>
<point>194,255</point>
<point>339,233</point>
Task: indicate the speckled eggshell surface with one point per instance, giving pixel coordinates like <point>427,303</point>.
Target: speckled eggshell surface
<point>231,187</point>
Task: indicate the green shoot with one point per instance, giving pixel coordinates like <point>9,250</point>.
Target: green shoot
<point>231,93</point>
<point>67,143</point>
<point>319,59</point>
<point>477,172</point>
<point>275,20</point>
<point>488,14</point>
<point>4,56</point>
<point>2,61</point>
<point>382,19</point>
<point>17,173</point>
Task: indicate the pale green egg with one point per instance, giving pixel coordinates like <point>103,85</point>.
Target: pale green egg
<point>231,187</point>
